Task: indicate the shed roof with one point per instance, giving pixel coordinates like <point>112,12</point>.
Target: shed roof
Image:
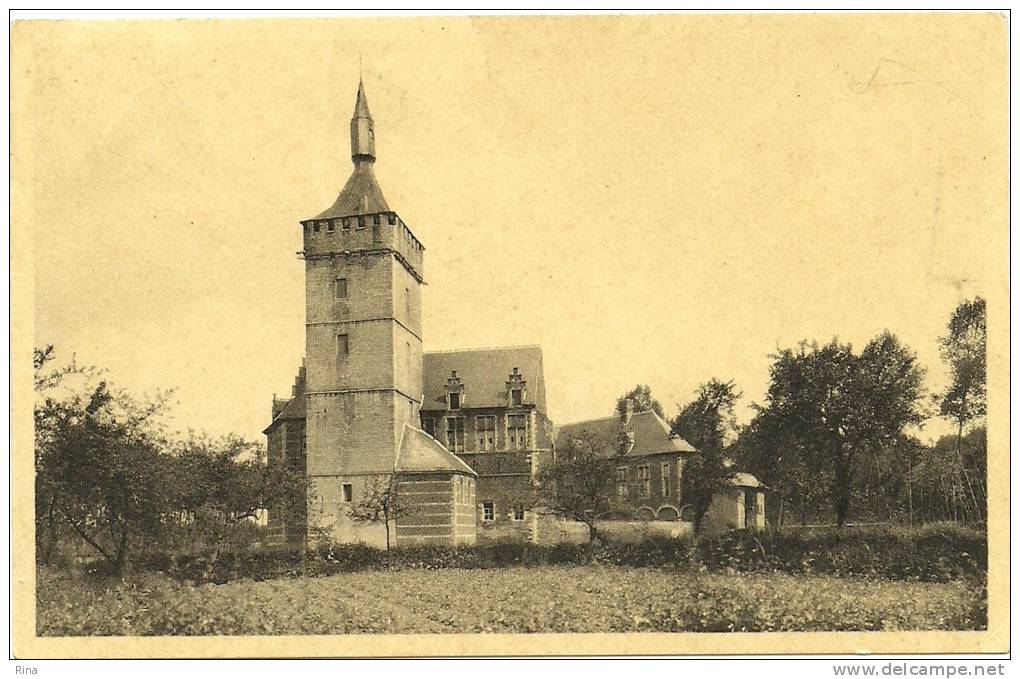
<point>420,453</point>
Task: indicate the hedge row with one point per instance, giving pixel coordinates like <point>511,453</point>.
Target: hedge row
<point>932,554</point>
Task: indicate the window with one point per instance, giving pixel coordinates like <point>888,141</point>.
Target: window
<point>329,226</point>
<point>343,347</point>
<point>345,224</point>
<point>621,482</point>
<point>361,222</point>
<point>518,512</point>
<point>454,397</point>
<point>488,511</point>
<point>644,480</point>
<point>485,432</point>
<point>515,397</point>
<point>315,227</point>
<point>341,288</point>
<point>664,468</point>
<point>455,434</point>
<point>429,425</point>
<point>393,218</point>
<point>347,491</point>
<point>375,220</point>
<point>517,431</point>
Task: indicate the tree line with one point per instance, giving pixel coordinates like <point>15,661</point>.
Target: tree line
<point>836,436</point>
<point>110,476</point>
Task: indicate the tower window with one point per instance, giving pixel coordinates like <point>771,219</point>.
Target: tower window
<point>315,227</point>
<point>454,400</point>
<point>392,218</point>
<point>375,219</point>
<point>515,397</point>
<point>347,491</point>
<point>341,288</point>
<point>345,224</point>
<point>329,226</point>
<point>343,347</point>
<point>361,222</point>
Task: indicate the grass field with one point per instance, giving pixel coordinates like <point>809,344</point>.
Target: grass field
<point>536,599</point>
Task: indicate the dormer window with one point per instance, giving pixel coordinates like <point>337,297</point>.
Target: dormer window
<point>515,386</point>
<point>454,391</point>
<point>626,442</point>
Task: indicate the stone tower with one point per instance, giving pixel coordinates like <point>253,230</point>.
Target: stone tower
<point>363,276</point>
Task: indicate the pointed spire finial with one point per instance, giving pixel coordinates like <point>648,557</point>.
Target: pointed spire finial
<point>362,128</point>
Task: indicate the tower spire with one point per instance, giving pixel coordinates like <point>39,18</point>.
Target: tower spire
<point>362,128</point>
<point>361,194</point>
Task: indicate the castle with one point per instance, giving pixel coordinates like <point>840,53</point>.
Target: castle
<point>457,436</point>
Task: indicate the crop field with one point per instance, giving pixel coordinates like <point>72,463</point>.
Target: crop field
<point>536,599</point>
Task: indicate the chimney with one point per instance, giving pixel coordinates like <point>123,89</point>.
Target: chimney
<point>628,410</point>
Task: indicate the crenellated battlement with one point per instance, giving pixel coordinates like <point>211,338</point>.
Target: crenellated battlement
<point>367,233</point>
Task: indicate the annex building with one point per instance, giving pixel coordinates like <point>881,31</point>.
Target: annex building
<point>458,436</point>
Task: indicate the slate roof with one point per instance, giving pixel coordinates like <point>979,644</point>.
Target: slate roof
<point>484,374</point>
<point>420,453</point>
<point>651,434</point>
<point>361,195</point>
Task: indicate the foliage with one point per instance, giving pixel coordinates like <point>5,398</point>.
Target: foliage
<point>580,482</point>
<point>935,553</point>
<point>641,396</point>
<point>834,409</point>
<point>541,599</point>
<point>381,502</point>
<point>108,476</point>
<point>706,423</point>
<point>99,472</point>
<point>964,401</point>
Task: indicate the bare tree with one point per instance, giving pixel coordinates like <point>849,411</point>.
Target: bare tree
<point>580,482</point>
<point>380,502</point>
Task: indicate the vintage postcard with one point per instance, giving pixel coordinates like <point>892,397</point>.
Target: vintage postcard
<point>510,335</point>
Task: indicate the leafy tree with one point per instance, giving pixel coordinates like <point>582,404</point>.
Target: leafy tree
<point>641,395</point>
<point>219,484</point>
<point>707,423</point>
<point>963,349</point>
<point>99,472</point>
<point>781,463</point>
<point>837,408</point>
<point>381,502</point>
<point>580,482</point>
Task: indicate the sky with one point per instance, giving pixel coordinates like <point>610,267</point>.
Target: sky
<point>657,200</point>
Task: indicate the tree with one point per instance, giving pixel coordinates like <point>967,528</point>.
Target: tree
<point>381,502</point>
<point>707,423</point>
<point>99,472</point>
<point>963,349</point>
<point>218,484</point>
<point>641,395</point>
<point>837,408</point>
<point>580,482</point>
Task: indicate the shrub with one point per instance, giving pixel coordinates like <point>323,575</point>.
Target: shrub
<point>937,553</point>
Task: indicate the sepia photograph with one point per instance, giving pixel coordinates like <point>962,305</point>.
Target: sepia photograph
<point>510,335</point>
